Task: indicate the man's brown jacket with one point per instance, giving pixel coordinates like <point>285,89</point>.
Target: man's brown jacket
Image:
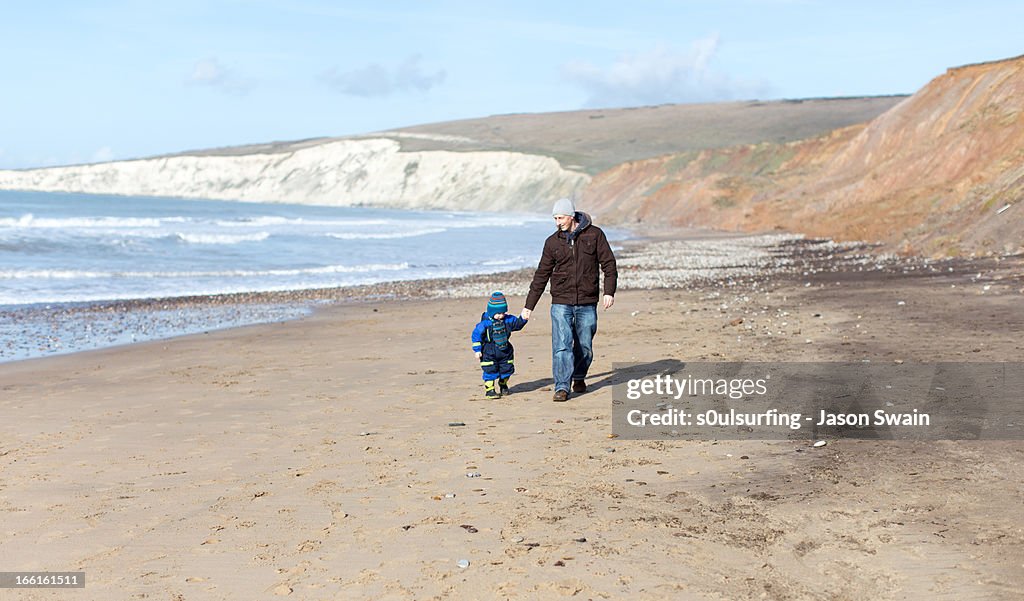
<point>571,261</point>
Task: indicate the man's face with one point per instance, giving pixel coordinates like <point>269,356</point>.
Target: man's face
<point>564,222</point>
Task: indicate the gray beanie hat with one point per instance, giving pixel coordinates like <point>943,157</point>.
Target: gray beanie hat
<point>563,206</point>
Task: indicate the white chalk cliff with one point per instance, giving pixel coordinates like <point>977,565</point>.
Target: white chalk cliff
<point>368,172</point>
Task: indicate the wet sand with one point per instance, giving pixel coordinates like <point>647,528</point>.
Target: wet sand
<point>314,459</point>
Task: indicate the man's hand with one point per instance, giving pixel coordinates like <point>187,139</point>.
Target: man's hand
<point>607,301</point>
<point>526,313</point>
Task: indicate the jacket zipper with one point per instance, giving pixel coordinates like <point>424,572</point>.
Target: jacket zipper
<point>575,271</point>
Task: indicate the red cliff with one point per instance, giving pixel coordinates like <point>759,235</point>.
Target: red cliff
<point>940,172</point>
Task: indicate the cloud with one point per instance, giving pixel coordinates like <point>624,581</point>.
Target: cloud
<point>375,80</point>
<point>660,76</point>
<point>209,72</point>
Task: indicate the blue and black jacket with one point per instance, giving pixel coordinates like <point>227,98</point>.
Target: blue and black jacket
<point>497,355</point>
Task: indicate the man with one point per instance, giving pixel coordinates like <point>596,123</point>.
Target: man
<point>570,260</point>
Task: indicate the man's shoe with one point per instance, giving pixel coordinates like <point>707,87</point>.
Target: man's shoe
<point>579,386</point>
<point>561,396</point>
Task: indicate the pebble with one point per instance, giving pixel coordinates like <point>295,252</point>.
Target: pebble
<point>462,563</point>
<point>473,475</point>
<point>820,443</point>
<point>454,424</point>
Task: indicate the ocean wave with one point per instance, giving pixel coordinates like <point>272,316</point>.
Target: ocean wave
<point>70,274</point>
<point>29,221</point>
<point>469,220</point>
<point>274,220</point>
<point>221,238</point>
<point>384,235</point>
<point>517,261</point>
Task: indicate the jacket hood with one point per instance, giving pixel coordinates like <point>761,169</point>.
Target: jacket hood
<point>583,219</point>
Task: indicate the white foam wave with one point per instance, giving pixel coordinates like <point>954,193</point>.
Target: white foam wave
<point>29,221</point>
<point>385,235</point>
<point>273,220</point>
<point>504,262</point>
<point>221,238</point>
<point>469,220</point>
<point>70,274</point>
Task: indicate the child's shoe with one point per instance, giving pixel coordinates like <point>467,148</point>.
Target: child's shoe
<point>503,386</point>
<point>490,391</point>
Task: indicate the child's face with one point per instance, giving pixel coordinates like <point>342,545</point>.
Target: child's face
<point>499,316</point>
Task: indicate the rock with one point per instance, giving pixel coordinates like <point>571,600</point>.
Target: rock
<point>820,443</point>
<point>462,563</point>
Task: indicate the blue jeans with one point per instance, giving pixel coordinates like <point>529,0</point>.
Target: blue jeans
<point>572,342</point>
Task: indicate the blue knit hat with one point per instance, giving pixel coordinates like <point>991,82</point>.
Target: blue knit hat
<point>496,304</point>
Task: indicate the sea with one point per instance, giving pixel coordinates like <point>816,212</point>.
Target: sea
<point>61,253</point>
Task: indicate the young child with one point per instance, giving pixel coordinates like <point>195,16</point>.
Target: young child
<point>492,345</point>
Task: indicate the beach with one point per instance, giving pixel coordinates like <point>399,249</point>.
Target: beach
<point>350,454</point>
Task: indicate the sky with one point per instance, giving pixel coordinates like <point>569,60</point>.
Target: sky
<point>89,81</point>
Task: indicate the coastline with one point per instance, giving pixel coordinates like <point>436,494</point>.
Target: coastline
<point>315,458</point>
<point>649,259</point>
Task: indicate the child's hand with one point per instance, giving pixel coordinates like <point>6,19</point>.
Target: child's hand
<point>479,355</point>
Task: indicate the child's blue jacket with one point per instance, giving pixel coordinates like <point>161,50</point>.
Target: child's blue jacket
<point>482,334</point>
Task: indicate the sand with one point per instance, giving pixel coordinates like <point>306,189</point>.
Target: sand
<point>315,459</point>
